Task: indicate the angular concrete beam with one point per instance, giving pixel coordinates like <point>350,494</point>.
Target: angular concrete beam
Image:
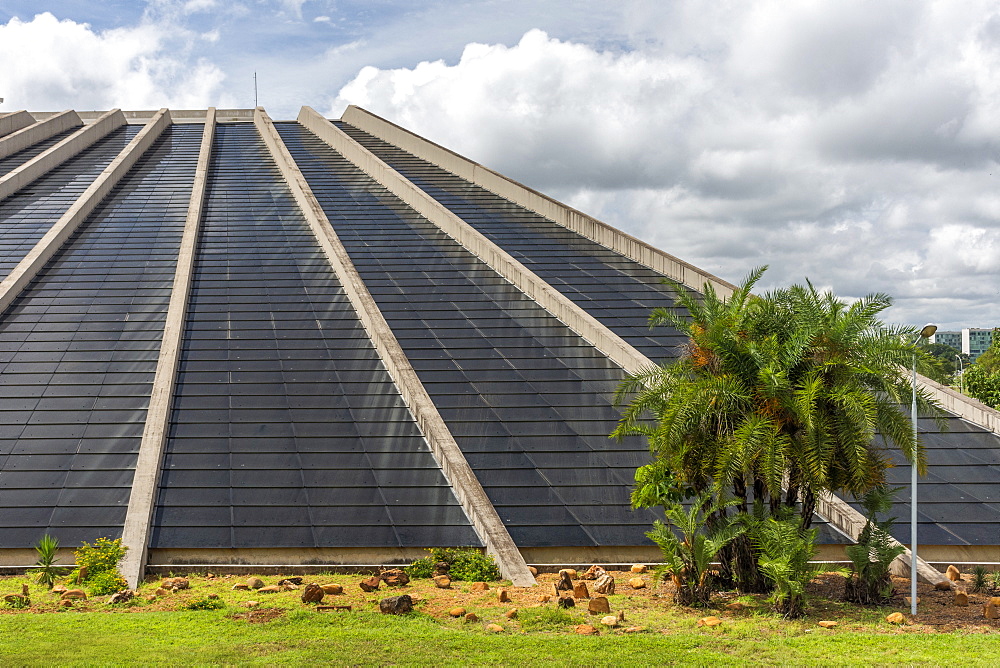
<point>961,405</point>
<point>841,515</point>
<point>584,225</point>
<point>559,305</point>
<point>57,235</point>
<point>14,121</point>
<point>56,155</point>
<point>25,137</point>
<point>456,469</point>
<point>146,479</point>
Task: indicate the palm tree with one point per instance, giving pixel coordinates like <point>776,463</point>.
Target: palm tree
<point>775,399</point>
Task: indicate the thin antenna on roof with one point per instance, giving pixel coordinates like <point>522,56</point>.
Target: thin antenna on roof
<point>254,90</point>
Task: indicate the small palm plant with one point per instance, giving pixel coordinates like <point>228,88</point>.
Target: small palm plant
<point>870,582</point>
<point>45,569</point>
<point>979,578</point>
<point>687,558</point>
<point>785,554</point>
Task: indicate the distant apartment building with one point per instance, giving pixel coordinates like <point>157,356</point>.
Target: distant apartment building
<point>972,341</point>
<point>975,342</point>
<point>953,339</point>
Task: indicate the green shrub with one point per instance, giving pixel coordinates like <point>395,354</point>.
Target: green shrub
<point>102,556</point>
<point>979,578</point>
<point>786,551</point>
<point>45,570</point>
<point>464,564</point>
<point>205,604</point>
<point>545,618</point>
<point>105,583</point>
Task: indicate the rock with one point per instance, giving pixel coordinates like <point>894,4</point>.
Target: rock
<point>241,587</point>
<point>909,602</point>
<point>81,574</point>
<point>213,597</point>
<point>635,629</point>
<point>533,571</point>
<point>638,568</point>
<point>554,590</point>
<point>621,615</point>
<point>332,589</point>
<point>457,612</point>
<point>297,581</point>
<point>442,581</point>
<point>175,584</point>
<point>511,614</point>
<point>255,583</point>
<point>17,600</point>
<point>494,628</point>
<point>503,596</point>
<point>735,606</point>
<point>250,604</point>
<point>121,596</point>
<point>271,589</point>
<point>567,602</point>
<point>480,586</point>
<point>471,617</point>
<point>593,573</point>
<point>827,624</point>
<point>24,590</point>
<point>961,599</point>
<point>992,608</point>
<point>942,585</point>
<point>58,589</point>
<point>396,605</point>
<point>544,598</point>
<point>605,584</point>
<point>333,608</point>
<point>288,587</point>
<point>953,574</point>
<point>209,575</point>
<point>150,598</point>
<point>394,577</point>
<point>569,572</point>
<point>637,583</point>
<point>442,568</point>
<point>313,593</point>
<point>67,604</point>
<point>160,591</point>
<point>586,630</point>
<point>565,582</point>
<point>895,618</point>
<point>711,620</point>
<point>370,584</point>
<point>610,621</point>
<point>599,606</point>
<point>74,595</point>
<point>580,590</point>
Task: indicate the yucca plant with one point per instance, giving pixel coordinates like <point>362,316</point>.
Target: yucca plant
<point>979,578</point>
<point>45,570</point>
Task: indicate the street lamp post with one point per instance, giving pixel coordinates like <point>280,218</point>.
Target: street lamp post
<point>926,332</point>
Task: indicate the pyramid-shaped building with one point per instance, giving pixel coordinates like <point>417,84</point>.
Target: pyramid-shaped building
<point>235,341</point>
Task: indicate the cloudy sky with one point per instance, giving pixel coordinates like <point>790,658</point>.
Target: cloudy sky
<point>851,142</point>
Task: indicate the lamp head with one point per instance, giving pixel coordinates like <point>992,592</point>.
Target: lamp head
<point>928,331</point>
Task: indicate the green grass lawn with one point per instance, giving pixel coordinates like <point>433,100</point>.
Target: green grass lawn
<point>368,638</point>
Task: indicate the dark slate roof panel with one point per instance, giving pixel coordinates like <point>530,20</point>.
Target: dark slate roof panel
<point>286,430</point>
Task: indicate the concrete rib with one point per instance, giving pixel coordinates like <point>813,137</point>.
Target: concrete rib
<point>456,469</point>
<point>146,479</point>
<point>568,217</point>
<point>14,121</point>
<point>564,309</point>
<point>51,158</point>
<point>57,235</point>
<point>32,134</point>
